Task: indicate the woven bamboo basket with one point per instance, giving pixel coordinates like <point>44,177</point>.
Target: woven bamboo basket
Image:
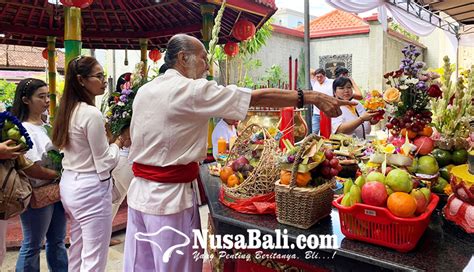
<point>262,179</point>
<point>303,207</point>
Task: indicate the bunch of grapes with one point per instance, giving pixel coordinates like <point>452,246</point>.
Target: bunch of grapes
<point>330,167</point>
<point>411,120</point>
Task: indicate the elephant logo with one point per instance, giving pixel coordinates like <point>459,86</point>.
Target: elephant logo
<point>147,237</point>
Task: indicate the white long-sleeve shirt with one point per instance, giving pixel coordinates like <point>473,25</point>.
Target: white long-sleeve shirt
<point>88,149</point>
<point>325,88</point>
<point>169,127</point>
<point>347,116</point>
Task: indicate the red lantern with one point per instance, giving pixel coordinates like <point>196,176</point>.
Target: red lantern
<point>77,3</point>
<point>154,55</point>
<point>231,49</point>
<point>243,30</point>
<point>45,53</point>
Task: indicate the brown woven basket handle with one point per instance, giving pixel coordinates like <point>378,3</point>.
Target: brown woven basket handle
<point>244,131</point>
<point>294,169</point>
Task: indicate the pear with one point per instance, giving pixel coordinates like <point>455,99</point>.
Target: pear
<point>355,194</point>
<point>360,181</point>
<point>346,200</point>
<point>389,191</point>
<point>421,201</point>
<point>427,193</point>
<point>347,186</point>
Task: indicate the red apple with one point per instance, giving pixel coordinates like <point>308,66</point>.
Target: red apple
<point>374,193</point>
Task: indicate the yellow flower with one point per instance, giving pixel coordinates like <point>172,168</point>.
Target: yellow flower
<point>373,165</point>
<point>375,93</point>
<point>389,149</point>
<point>109,113</point>
<point>392,95</point>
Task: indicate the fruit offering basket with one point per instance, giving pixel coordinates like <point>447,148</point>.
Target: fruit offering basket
<point>303,196</point>
<point>251,168</point>
<point>377,225</point>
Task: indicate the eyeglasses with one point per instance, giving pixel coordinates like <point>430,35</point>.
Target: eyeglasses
<point>101,77</point>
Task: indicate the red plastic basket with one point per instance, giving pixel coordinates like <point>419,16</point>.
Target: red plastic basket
<point>377,225</point>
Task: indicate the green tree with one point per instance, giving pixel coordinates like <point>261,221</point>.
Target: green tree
<point>7,92</point>
<point>243,63</point>
<point>274,75</point>
<point>396,27</point>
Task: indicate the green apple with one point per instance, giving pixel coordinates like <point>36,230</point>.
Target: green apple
<point>14,134</point>
<point>439,188</point>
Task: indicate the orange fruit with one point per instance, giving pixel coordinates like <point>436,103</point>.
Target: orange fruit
<point>427,131</point>
<point>411,134</point>
<point>302,179</point>
<point>401,204</point>
<point>233,180</point>
<point>225,173</point>
<point>285,177</point>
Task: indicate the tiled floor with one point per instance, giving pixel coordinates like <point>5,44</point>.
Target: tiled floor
<point>115,260</point>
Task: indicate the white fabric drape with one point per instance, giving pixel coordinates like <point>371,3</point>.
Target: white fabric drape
<point>407,20</point>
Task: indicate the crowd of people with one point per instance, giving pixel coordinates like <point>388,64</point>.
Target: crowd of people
<point>156,157</point>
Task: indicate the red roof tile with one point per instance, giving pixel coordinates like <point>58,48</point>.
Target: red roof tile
<point>288,31</point>
<point>336,23</point>
<point>26,58</point>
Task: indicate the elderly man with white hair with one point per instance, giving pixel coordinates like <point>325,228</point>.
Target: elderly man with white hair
<point>169,137</point>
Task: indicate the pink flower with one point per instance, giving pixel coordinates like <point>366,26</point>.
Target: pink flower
<point>423,78</point>
<point>436,135</point>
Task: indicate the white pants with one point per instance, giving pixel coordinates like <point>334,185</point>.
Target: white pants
<point>123,176</point>
<point>88,203</point>
<point>3,240</point>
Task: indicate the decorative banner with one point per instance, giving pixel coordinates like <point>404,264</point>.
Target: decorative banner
<point>154,55</point>
<point>77,3</point>
<point>231,49</point>
<point>243,30</point>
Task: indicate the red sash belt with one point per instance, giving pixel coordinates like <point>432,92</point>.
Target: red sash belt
<point>167,174</point>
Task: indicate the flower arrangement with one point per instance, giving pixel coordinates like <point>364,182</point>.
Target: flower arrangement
<point>375,103</point>
<point>119,113</point>
<point>453,111</point>
<point>410,90</point>
<point>12,129</point>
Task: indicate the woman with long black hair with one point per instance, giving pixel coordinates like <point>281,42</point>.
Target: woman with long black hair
<point>86,186</point>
